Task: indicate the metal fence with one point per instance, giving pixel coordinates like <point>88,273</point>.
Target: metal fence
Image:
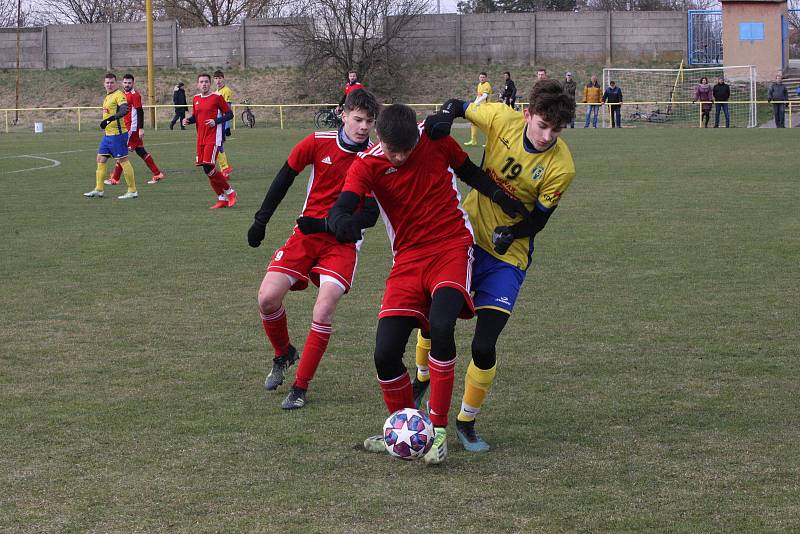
<point>704,45</point>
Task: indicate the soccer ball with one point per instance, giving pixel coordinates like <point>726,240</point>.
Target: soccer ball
<point>408,434</point>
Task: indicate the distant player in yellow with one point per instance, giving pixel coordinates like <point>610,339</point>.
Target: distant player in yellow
<point>115,140</point>
<point>526,158</point>
<point>225,92</point>
<point>483,91</point>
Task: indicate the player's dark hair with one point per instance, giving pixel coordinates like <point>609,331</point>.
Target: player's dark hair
<point>110,76</point>
<point>509,74</point>
<point>541,69</point>
<point>204,75</point>
<point>218,74</point>
<point>349,72</point>
<point>364,100</point>
<point>483,73</point>
<point>397,127</point>
<point>548,100</point>
<point>128,76</point>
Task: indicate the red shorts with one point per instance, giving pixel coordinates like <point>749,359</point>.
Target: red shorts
<point>412,281</point>
<point>206,154</point>
<point>309,256</point>
<point>135,140</point>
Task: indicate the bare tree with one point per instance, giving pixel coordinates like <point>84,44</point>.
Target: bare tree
<point>352,34</point>
<point>91,11</point>
<point>192,13</point>
<point>8,15</point>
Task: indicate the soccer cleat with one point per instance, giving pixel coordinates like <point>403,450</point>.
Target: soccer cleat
<point>465,431</point>
<point>438,452</point>
<point>279,366</point>
<point>295,399</point>
<point>226,172</point>
<point>470,143</point>
<point>375,444</point>
<point>219,204</point>
<point>94,193</point>
<point>111,181</point>
<point>129,195</point>
<point>156,178</point>
<point>419,387</point>
<point>232,199</point>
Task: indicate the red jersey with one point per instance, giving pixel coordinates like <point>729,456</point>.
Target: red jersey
<point>350,87</point>
<point>419,200</point>
<point>207,107</point>
<point>134,99</point>
<point>330,161</point>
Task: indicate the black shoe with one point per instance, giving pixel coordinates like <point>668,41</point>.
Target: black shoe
<point>171,126</point>
<point>419,387</point>
<point>465,431</point>
<point>279,366</point>
<point>295,399</point>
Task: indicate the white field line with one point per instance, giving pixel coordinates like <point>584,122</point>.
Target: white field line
<point>88,150</point>
<point>53,163</point>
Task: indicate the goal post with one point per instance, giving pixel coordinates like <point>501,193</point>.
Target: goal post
<point>664,96</point>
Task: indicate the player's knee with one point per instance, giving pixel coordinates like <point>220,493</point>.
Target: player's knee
<point>323,311</point>
<point>484,353</point>
<point>442,328</point>
<point>268,301</point>
<point>388,361</point>
<point>208,169</point>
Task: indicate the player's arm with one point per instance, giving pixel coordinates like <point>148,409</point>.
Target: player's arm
<point>275,194</point>
<point>439,124</point>
<point>503,236</point>
<point>122,110</point>
<point>366,217</point>
<point>139,119</point>
<point>472,175</point>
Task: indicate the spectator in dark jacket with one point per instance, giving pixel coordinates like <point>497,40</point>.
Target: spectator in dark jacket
<point>569,87</point>
<point>509,95</point>
<point>613,97</point>
<point>704,94</point>
<point>179,99</point>
<point>777,91</point>
<point>722,93</point>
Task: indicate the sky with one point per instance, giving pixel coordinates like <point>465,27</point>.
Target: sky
<point>447,6</point>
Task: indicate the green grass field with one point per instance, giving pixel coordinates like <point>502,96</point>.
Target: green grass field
<point>648,379</point>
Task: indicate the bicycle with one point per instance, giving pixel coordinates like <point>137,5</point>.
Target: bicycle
<point>247,115</point>
<point>327,118</point>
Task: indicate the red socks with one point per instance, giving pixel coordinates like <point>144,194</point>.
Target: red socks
<point>316,343</point>
<point>148,160</point>
<point>275,326</point>
<point>116,173</point>
<point>218,182</point>
<point>397,392</point>
<point>443,374</point>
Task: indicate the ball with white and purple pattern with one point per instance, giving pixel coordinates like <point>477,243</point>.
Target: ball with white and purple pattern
<point>408,434</point>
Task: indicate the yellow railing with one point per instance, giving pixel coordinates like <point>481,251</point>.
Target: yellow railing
<point>237,108</point>
<point>789,104</point>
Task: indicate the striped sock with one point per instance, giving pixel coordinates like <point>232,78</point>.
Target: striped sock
<point>277,329</point>
<point>443,375</point>
<point>397,393</point>
<point>317,341</point>
<point>148,160</point>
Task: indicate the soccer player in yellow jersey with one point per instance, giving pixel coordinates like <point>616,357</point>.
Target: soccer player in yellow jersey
<point>526,158</point>
<point>483,91</point>
<point>115,140</point>
<point>225,92</point>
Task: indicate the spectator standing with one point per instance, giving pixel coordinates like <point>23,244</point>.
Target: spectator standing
<point>179,99</point>
<point>509,94</point>
<point>613,97</point>
<point>541,74</point>
<point>778,92</point>
<point>570,86</point>
<point>722,93</point>
<point>592,96</point>
<point>704,93</point>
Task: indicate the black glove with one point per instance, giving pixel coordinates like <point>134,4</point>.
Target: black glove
<point>227,132</point>
<point>511,206</point>
<point>439,124</point>
<point>312,225</point>
<point>255,235</point>
<point>104,123</point>
<point>347,230</point>
<point>502,239</point>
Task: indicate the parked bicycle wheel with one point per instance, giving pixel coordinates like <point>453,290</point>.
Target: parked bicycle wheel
<point>248,118</point>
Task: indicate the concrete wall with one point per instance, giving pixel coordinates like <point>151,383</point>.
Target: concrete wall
<point>31,53</point>
<point>508,38</point>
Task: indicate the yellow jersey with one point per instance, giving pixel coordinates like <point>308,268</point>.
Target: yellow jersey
<point>530,176</point>
<point>111,104</point>
<point>484,87</point>
<point>226,93</point>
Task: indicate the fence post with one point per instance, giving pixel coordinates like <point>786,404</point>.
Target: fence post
<point>790,114</point>
<point>44,47</point>
<point>108,46</point>
<point>175,61</point>
<point>79,119</point>
<point>243,42</point>
<point>233,108</point>
<point>532,44</point>
<point>458,39</point>
<point>6,121</point>
<point>155,118</point>
<point>280,111</point>
<point>609,44</point>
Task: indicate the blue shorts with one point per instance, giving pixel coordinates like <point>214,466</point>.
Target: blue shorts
<point>495,283</point>
<point>115,146</point>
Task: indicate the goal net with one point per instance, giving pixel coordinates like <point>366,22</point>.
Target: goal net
<point>663,97</point>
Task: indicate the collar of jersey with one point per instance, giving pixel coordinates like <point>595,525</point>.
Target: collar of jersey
<point>528,146</point>
<point>349,145</point>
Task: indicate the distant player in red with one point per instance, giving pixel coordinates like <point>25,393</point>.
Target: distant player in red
<point>209,113</point>
<point>351,85</point>
<point>134,121</point>
<point>413,180</point>
<point>318,256</point>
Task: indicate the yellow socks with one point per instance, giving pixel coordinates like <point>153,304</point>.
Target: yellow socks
<point>473,135</point>
<point>477,383</point>
<point>423,348</point>
<point>222,159</point>
<point>127,170</point>
<point>99,176</point>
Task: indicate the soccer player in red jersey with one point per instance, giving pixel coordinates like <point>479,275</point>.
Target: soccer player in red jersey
<point>413,179</point>
<point>209,113</point>
<point>317,256</point>
<point>134,121</point>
